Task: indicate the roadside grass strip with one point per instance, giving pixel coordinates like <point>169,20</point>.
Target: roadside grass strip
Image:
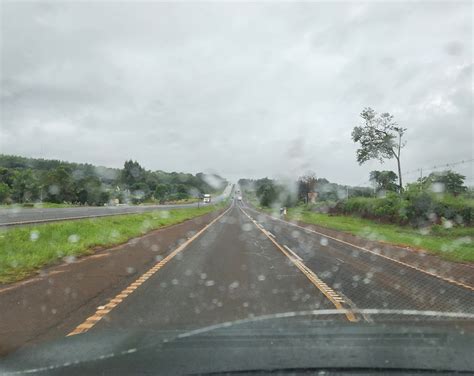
<point>455,244</point>
<point>25,250</point>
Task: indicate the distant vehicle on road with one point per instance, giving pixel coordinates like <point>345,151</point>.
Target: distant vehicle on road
<point>206,198</point>
<point>239,198</point>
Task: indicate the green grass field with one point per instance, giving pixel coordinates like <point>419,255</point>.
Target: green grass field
<point>456,243</point>
<point>24,250</point>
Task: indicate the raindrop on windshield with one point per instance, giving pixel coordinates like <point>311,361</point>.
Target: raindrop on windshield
<point>74,238</point>
<point>34,235</point>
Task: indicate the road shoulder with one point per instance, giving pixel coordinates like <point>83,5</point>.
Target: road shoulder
<point>416,258</point>
<point>49,306</point>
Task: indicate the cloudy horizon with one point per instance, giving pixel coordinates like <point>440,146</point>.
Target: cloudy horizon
<point>240,89</point>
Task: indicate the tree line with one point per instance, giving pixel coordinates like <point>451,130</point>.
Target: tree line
<point>272,192</point>
<point>435,198</point>
<point>29,180</point>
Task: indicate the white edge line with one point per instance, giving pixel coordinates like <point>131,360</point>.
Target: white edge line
<point>449,280</point>
<point>29,222</point>
<point>293,253</point>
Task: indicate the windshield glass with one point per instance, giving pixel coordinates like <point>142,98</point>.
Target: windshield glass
<point>172,168</point>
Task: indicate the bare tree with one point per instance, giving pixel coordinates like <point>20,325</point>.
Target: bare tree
<point>379,138</point>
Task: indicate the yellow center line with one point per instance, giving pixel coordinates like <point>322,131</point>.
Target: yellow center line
<point>100,313</point>
<point>330,294</point>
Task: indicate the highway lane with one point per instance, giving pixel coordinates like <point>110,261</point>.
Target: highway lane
<point>247,265</point>
<point>365,279</point>
<point>20,216</point>
<point>230,272</point>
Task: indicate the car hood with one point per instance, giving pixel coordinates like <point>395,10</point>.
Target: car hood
<point>282,342</point>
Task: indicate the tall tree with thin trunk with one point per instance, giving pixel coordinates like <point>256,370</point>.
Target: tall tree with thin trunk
<point>380,138</point>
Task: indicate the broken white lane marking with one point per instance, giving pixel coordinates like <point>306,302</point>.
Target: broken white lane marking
<point>269,233</point>
<point>293,253</point>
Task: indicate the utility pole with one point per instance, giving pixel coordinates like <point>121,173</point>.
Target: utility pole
<point>421,179</point>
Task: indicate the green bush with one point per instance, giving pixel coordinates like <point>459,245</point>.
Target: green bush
<point>415,208</point>
<point>420,208</point>
<point>456,209</point>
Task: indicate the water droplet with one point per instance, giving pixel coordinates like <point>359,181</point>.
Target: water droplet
<point>234,285</point>
<point>246,227</point>
<point>114,234</point>
<point>447,224</point>
<point>70,259</point>
<point>34,235</point>
<point>74,238</point>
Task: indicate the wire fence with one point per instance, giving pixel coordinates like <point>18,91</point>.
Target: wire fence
<point>464,167</point>
<point>440,166</point>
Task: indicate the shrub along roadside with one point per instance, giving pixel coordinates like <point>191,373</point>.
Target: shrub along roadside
<point>23,250</point>
<point>451,243</point>
<point>415,208</point>
<point>455,244</point>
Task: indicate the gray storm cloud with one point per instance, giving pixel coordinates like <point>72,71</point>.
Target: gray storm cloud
<point>247,90</point>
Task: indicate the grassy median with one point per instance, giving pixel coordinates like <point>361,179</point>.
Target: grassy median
<point>455,243</point>
<point>24,250</point>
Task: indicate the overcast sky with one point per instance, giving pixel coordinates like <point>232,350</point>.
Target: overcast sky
<point>243,89</point>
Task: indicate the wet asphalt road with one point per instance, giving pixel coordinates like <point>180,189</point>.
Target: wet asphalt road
<point>21,216</point>
<point>225,268</point>
<point>235,271</point>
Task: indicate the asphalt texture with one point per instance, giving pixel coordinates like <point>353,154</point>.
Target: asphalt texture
<point>50,305</point>
<point>235,271</point>
<point>367,280</point>
<point>23,216</point>
<point>232,271</point>
<point>242,265</point>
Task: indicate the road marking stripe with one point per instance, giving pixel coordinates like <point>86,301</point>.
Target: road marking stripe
<point>310,275</point>
<point>449,280</point>
<point>171,207</point>
<point>293,253</point>
<point>99,314</point>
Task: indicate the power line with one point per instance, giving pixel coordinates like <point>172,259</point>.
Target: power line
<point>439,166</point>
<point>423,169</point>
